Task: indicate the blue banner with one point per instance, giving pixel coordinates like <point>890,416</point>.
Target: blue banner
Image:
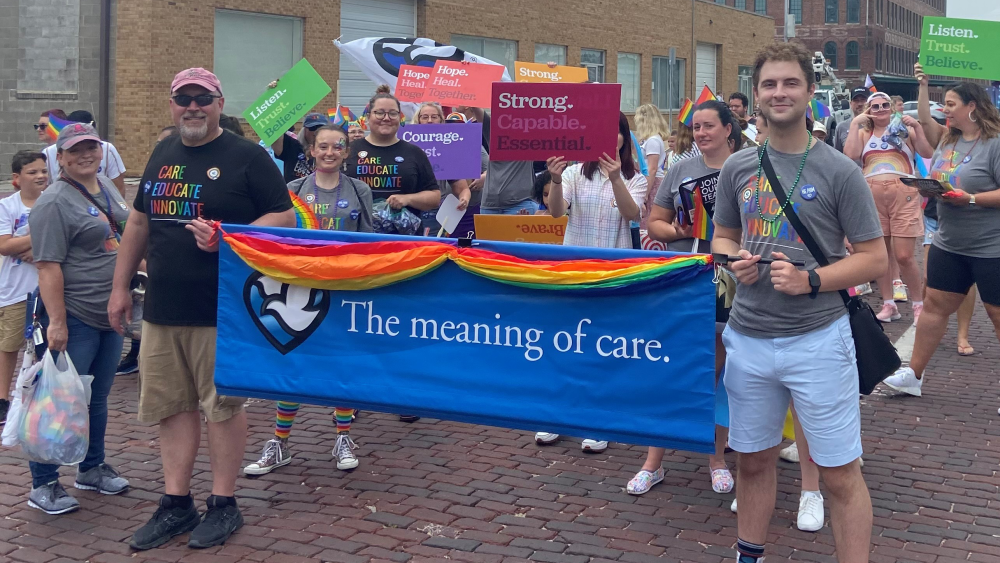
<point>635,367</point>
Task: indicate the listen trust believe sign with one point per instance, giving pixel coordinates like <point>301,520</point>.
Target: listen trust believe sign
<point>961,48</point>
<point>533,121</point>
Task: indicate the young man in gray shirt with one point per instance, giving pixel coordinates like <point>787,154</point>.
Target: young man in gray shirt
<point>788,335</point>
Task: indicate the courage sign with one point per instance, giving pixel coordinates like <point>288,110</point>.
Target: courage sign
<point>533,121</point>
<point>452,148</point>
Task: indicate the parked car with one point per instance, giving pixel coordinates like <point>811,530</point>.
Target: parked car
<point>910,108</point>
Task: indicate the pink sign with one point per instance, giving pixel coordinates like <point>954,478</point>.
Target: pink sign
<point>533,121</point>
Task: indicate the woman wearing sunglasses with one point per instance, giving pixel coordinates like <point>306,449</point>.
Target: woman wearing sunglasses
<point>886,156</point>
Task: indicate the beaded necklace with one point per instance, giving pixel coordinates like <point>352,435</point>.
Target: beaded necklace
<point>760,181</point>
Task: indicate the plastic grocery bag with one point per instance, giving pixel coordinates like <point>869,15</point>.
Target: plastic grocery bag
<point>388,221</point>
<point>896,132</point>
<point>23,389</point>
<point>55,422</point>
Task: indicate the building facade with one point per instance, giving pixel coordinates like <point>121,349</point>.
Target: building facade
<point>248,43</point>
<point>879,38</point>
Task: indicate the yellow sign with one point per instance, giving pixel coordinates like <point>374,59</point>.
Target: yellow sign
<point>539,229</point>
<point>538,72</point>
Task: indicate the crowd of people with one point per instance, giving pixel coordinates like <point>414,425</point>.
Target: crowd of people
<point>71,241</point>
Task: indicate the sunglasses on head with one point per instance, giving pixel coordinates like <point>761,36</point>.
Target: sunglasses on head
<point>202,100</point>
<point>877,107</point>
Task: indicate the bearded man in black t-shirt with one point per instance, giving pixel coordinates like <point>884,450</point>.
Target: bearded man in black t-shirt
<point>203,174</point>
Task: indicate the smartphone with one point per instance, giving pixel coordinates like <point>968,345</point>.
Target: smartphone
<point>927,186</point>
<point>725,259</point>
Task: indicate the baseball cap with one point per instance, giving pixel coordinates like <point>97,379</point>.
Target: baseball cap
<point>862,92</point>
<point>75,133</point>
<point>197,76</point>
<point>455,117</point>
<point>315,120</point>
<point>819,127</point>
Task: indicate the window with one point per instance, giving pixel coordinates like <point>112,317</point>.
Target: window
<point>628,77</point>
<point>497,50</point>
<point>550,53</point>
<point>832,11</point>
<point>795,8</point>
<point>668,83</point>
<point>741,4</point>
<point>853,11</point>
<point>593,61</point>
<point>252,50</point>
<point>723,2</point>
<point>878,56</point>
<point>760,7</point>
<point>745,74</point>
<point>830,53</point>
<point>853,55</point>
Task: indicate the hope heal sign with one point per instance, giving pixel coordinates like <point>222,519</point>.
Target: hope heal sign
<point>533,121</point>
<point>961,48</point>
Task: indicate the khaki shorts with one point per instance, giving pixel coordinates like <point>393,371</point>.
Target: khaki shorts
<point>900,208</point>
<point>12,326</point>
<point>177,374</point>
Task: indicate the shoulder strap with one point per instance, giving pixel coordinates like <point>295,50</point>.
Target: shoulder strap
<point>794,220</point>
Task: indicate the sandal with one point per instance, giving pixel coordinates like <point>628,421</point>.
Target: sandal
<point>643,481</point>
<point>966,350</point>
<point>722,480</point>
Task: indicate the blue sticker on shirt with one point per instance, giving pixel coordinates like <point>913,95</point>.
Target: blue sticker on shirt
<point>342,203</point>
<point>967,159</point>
<point>808,192</point>
<point>92,210</point>
<point>399,159</point>
<point>873,145</point>
<point>355,214</point>
<point>885,146</point>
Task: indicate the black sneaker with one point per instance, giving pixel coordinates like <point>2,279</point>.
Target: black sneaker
<point>409,418</point>
<point>222,519</point>
<point>168,521</point>
<point>4,409</point>
<point>128,365</point>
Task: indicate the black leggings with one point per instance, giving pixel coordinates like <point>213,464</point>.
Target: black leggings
<point>955,273</point>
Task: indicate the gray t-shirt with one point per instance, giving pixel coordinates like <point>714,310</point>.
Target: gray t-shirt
<point>832,200</point>
<point>69,229</point>
<point>668,195</point>
<point>963,229</point>
<point>508,183</point>
<point>840,137</point>
<point>348,208</point>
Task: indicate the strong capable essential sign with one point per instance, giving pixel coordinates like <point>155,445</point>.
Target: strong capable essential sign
<point>533,121</point>
<point>279,108</point>
<point>452,148</point>
<point>961,48</point>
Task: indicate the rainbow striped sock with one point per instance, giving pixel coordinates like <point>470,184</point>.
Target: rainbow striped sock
<point>342,416</point>
<point>284,419</point>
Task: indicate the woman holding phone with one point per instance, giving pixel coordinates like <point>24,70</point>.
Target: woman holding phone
<point>966,248</point>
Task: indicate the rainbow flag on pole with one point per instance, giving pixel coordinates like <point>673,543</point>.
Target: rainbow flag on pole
<point>55,126</point>
<point>687,112</point>
<point>699,217</point>
<point>817,110</point>
<point>706,96</point>
<point>341,116</point>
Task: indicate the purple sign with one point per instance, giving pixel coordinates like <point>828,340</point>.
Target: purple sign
<point>453,148</point>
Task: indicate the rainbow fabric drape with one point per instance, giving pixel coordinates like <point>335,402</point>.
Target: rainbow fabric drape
<point>369,265</point>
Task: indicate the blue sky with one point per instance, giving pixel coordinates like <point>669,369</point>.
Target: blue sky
<point>974,9</point>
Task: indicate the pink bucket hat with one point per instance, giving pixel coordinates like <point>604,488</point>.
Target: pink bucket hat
<point>197,76</point>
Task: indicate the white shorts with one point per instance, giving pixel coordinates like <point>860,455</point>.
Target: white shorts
<point>818,371</point>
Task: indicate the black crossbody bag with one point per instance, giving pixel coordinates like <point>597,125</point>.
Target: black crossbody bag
<point>876,356</point>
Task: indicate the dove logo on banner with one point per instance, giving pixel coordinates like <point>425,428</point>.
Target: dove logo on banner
<point>380,58</point>
<point>285,314</point>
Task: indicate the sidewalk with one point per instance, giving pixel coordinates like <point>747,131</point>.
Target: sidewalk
<point>438,491</point>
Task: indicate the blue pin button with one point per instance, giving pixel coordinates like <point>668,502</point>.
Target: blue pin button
<point>808,192</point>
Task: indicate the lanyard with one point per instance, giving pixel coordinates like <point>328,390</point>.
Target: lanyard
<point>955,151</point>
<point>107,199</point>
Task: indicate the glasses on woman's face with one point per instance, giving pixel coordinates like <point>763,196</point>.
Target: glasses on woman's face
<point>430,118</point>
<point>382,114</point>
<point>880,107</point>
<point>40,126</point>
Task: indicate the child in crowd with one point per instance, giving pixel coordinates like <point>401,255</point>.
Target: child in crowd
<point>540,192</point>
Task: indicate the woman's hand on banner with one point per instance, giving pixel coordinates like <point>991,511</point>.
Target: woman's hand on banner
<point>786,277</point>
<point>745,269</point>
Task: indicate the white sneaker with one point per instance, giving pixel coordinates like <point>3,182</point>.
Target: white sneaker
<point>810,517</point>
<point>275,455</point>
<point>343,451</point>
<point>733,506</point>
<point>545,438</point>
<point>905,381</point>
<point>594,446</point>
<point>790,454</point>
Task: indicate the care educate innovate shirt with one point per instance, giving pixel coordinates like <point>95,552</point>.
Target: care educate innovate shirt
<point>400,168</point>
<point>969,230</point>
<point>228,179</point>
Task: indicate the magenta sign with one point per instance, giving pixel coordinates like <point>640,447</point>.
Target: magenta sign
<point>533,121</point>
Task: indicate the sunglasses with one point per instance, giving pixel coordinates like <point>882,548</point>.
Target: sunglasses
<point>202,100</point>
<point>877,107</point>
<point>39,126</point>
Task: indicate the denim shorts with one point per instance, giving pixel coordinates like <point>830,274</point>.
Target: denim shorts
<point>930,229</point>
<point>817,370</point>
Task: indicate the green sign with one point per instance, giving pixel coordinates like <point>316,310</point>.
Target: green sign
<point>279,108</point>
<point>961,48</point>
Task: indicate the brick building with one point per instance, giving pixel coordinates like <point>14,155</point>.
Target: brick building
<point>250,42</point>
<point>880,38</point>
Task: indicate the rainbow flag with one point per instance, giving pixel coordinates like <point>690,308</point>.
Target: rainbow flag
<point>687,112</point>
<point>304,216</point>
<point>706,96</point>
<point>869,84</point>
<point>817,110</point>
<point>55,126</point>
<point>341,116</point>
